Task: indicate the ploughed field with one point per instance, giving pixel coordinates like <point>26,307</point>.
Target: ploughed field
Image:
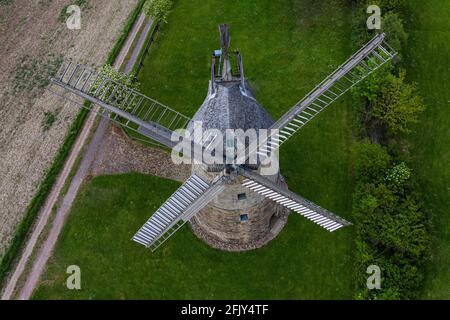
<point>33,122</point>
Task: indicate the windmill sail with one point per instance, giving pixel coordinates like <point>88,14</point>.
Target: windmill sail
<point>363,63</point>
<point>123,105</point>
<point>190,198</point>
<point>294,202</point>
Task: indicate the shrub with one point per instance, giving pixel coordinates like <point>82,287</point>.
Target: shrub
<point>398,104</point>
<point>392,25</point>
<point>391,228</point>
<point>128,80</point>
<point>387,5</point>
<point>371,87</point>
<point>48,121</point>
<point>371,162</point>
<point>398,175</point>
<point>159,9</point>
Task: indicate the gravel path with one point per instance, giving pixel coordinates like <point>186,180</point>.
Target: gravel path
<point>139,46</point>
<point>48,246</point>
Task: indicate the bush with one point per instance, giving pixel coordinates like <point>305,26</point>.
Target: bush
<point>128,80</point>
<point>398,175</point>
<point>386,5</point>
<point>390,101</point>
<point>391,228</point>
<point>389,5</point>
<point>398,104</point>
<point>159,9</point>
<point>392,25</point>
<point>57,165</point>
<point>371,87</point>
<point>371,162</point>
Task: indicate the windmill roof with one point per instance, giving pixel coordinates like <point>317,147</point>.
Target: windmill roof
<point>232,107</point>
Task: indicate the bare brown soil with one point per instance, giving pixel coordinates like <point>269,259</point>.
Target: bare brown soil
<point>119,154</point>
<point>33,122</point>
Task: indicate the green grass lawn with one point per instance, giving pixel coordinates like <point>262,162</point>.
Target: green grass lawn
<point>288,47</point>
<point>106,215</point>
<point>429,65</point>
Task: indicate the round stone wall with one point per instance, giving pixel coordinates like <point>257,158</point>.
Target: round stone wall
<point>238,218</point>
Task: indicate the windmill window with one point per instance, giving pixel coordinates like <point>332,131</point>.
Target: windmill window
<point>244,217</point>
<point>242,196</point>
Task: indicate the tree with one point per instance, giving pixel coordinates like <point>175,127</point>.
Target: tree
<point>398,175</point>
<point>386,5</point>
<point>111,73</point>
<point>371,87</point>
<point>158,9</point>
<point>371,162</point>
<point>392,25</point>
<point>389,5</point>
<point>398,105</point>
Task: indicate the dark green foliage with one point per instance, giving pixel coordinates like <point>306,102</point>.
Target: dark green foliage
<point>304,262</point>
<point>159,9</point>
<point>371,87</point>
<point>392,25</point>
<point>371,160</point>
<point>398,104</point>
<point>48,121</point>
<point>427,60</point>
<point>391,227</point>
<point>385,5</point>
<point>390,101</point>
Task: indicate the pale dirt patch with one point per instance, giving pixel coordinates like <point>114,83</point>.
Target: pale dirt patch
<point>32,43</point>
<point>119,154</point>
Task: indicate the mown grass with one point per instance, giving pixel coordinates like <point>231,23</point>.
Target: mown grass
<point>428,63</point>
<point>97,238</point>
<point>288,46</point>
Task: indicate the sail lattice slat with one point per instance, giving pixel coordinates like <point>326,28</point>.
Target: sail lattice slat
<point>294,202</point>
<point>363,63</point>
<point>190,198</point>
<point>123,104</point>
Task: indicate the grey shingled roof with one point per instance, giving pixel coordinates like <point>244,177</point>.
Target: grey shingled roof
<point>231,107</point>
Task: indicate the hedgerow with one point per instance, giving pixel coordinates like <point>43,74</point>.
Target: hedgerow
<point>392,228</point>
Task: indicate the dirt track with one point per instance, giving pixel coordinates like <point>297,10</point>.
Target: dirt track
<point>44,253</point>
<point>33,41</point>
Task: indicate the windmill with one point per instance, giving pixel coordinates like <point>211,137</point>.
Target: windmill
<point>232,204</point>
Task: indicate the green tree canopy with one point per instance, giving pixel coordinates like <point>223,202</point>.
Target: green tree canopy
<point>398,105</point>
<point>392,25</point>
<point>159,9</point>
